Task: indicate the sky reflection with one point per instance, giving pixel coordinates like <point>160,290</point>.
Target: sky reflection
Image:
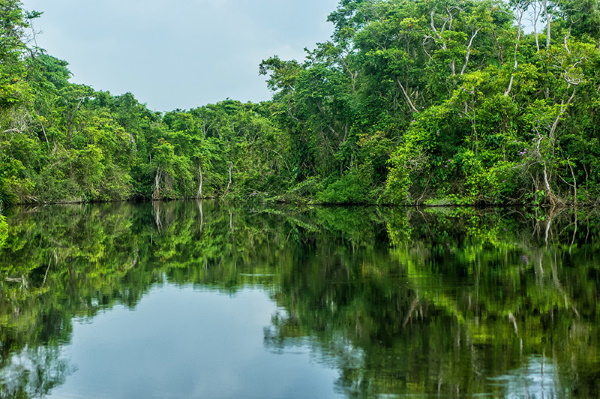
<point>184,343</point>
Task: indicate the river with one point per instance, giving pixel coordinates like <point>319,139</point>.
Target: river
<point>211,300</point>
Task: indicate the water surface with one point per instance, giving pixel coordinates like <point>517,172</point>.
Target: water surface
<point>207,300</point>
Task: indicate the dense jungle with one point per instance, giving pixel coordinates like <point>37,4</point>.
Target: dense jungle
<point>483,103</point>
<point>436,102</point>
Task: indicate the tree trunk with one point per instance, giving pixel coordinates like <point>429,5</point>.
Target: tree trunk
<point>406,96</point>
<point>157,178</point>
<point>468,55</point>
<point>536,17</point>
<point>230,179</point>
<point>520,12</point>
<point>200,180</point>
<point>547,16</point>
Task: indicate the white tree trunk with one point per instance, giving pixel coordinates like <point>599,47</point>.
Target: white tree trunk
<point>200,180</point>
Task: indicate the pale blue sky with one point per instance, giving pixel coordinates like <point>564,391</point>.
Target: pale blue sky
<point>179,53</point>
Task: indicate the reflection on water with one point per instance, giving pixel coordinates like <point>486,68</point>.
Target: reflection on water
<point>31,372</point>
<point>182,342</point>
<point>537,379</point>
<point>197,299</point>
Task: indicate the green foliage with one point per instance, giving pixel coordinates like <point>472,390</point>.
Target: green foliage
<point>453,88</point>
<point>3,230</point>
<point>408,103</point>
<point>13,22</point>
<point>352,188</point>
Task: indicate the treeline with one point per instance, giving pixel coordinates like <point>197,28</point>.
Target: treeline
<point>65,142</point>
<point>432,101</point>
<point>448,101</point>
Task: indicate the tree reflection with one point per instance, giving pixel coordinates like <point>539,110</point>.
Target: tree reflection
<point>536,379</point>
<point>460,296</point>
<point>32,372</point>
<point>401,301</point>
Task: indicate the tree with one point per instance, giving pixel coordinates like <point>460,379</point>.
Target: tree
<point>13,22</point>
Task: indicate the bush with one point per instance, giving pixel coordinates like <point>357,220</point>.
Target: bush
<point>352,188</point>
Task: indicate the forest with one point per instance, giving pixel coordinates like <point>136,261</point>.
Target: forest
<point>429,102</point>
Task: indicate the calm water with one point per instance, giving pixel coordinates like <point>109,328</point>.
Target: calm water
<point>207,300</point>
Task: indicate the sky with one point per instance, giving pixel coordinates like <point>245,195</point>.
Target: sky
<point>178,53</point>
